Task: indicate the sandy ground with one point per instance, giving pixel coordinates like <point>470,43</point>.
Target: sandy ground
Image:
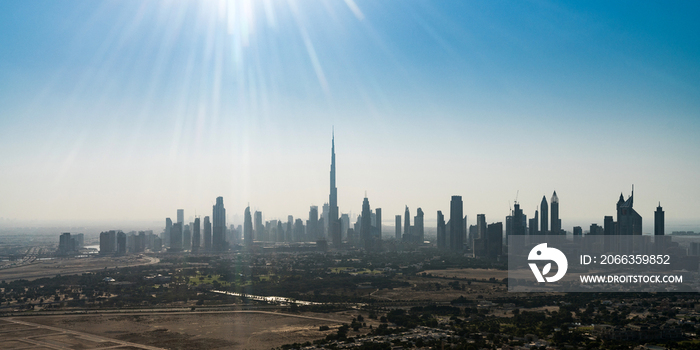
<point>71,266</point>
<point>230,330</point>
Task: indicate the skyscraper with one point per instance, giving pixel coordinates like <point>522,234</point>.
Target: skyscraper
<point>556,222</point>
<point>397,227</point>
<point>187,238</point>
<point>441,230</point>
<point>629,222</point>
<point>659,221</point>
<point>418,227</point>
<point>312,228</point>
<point>407,225</point>
<point>366,226</point>
<point>207,234</point>
<point>121,243</point>
<point>333,224</point>
<point>196,237</point>
<point>532,224</point>
<point>378,212</point>
<point>494,241</point>
<point>176,237</point>
<point>258,225</point>
<point>219,225</point>
<point>108,242</point>
<point>166,234</point>
<point>181,216</point>
<point>456,226</point>
<point>544,217</point>
<point>518,227</point>
<point>248,228</point>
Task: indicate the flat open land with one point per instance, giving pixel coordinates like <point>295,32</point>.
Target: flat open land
<point>71,266</point>
<point>479,274</point>
<point>19,334</point>
<point>205,330</point>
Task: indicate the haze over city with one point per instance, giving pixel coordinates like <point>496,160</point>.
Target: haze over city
<point>126,111</point>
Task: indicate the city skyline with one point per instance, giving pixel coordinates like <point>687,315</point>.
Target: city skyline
<point>127,111</point>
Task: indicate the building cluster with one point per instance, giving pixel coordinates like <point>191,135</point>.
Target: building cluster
<point>628,222</point>
<point>483,240</point>
<point>70,244</point>
<point>120,243</point>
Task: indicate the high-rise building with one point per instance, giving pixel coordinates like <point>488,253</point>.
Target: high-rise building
<point>418,227</point>
<point>366,225</point>
<point>544,216</point>
<point>629,222</point>
<point>441,230</point>
<point>344,225</point>
<point>397,228</point>
<point>659,221</point>
<point>456,226</point>
<point>407,225</point>
<point>176,237</point>
<point>187,237</point>
<point>298,230</point>
<point>219,226</point>
<point>181,216</point>
<point>378,215</point>
<point>325,215</point>
<point>248,228</point>
<point>108,242</point>
<point>518,227</point>
<point>333,223</point>
<point>608,226</point>
<point>67,244</point>
<point>258,226</point>
<point>207,234</point>
<point>196,236</point>
<point>480,226</point>
<point>556,222</point>
<point>166,235</point>
<point>121,243</point>
<point>494,241</point>
<point>532,224</point>
<point>312,233</point>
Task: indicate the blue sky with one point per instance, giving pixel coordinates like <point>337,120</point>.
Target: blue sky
<point>128,110</point>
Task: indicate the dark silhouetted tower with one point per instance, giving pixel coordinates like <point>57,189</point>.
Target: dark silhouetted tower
<point>659,221</point>
<point>259,227</point>
<point>207,234</point>
<point>176,237</point>
<point>397,227</point>
<point>608,226</point>
<point>312,226</point>
<point>248,228</point>
<point>629,222</point>
<point>419,227</point>
<point>378,212</point>
<point>219,225</point>
<point>456,226</point>
<point>441,231</point>
<point>366,225</point>
<point>544,216</point>
<point>407,225</point>
<point>166,235</point>
<point>121,243</point>
<point>333,223</point>
<point>556,222</point>
<point>196,237</point>
<point>181,216</point>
